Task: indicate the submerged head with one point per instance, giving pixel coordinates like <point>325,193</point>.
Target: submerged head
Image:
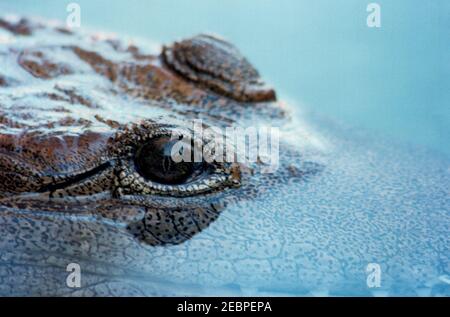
<point>87,124</point>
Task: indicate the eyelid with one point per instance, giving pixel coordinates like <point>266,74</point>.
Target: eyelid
<point>131,182</point>
<point>216,175</point>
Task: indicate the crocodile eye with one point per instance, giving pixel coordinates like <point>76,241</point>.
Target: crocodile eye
<point>154,162</point>
<point>164,160</point>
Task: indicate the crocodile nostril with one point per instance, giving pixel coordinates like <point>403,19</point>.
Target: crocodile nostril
<point>154,161</point>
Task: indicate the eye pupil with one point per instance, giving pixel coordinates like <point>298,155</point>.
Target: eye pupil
<point>153,161</point>
<point>166,164</point>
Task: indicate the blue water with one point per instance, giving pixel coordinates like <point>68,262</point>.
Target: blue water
<point>393,81</point>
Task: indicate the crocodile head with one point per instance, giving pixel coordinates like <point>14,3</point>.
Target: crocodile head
<point>88,127</point>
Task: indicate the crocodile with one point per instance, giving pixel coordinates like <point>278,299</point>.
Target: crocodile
<point>86,120</point>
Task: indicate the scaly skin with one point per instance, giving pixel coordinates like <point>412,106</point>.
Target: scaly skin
<point>74,109</point>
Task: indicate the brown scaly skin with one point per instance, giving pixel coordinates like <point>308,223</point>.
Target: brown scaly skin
<point>75,110</point>
<point>79,161</point>
<point>101,152</point>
